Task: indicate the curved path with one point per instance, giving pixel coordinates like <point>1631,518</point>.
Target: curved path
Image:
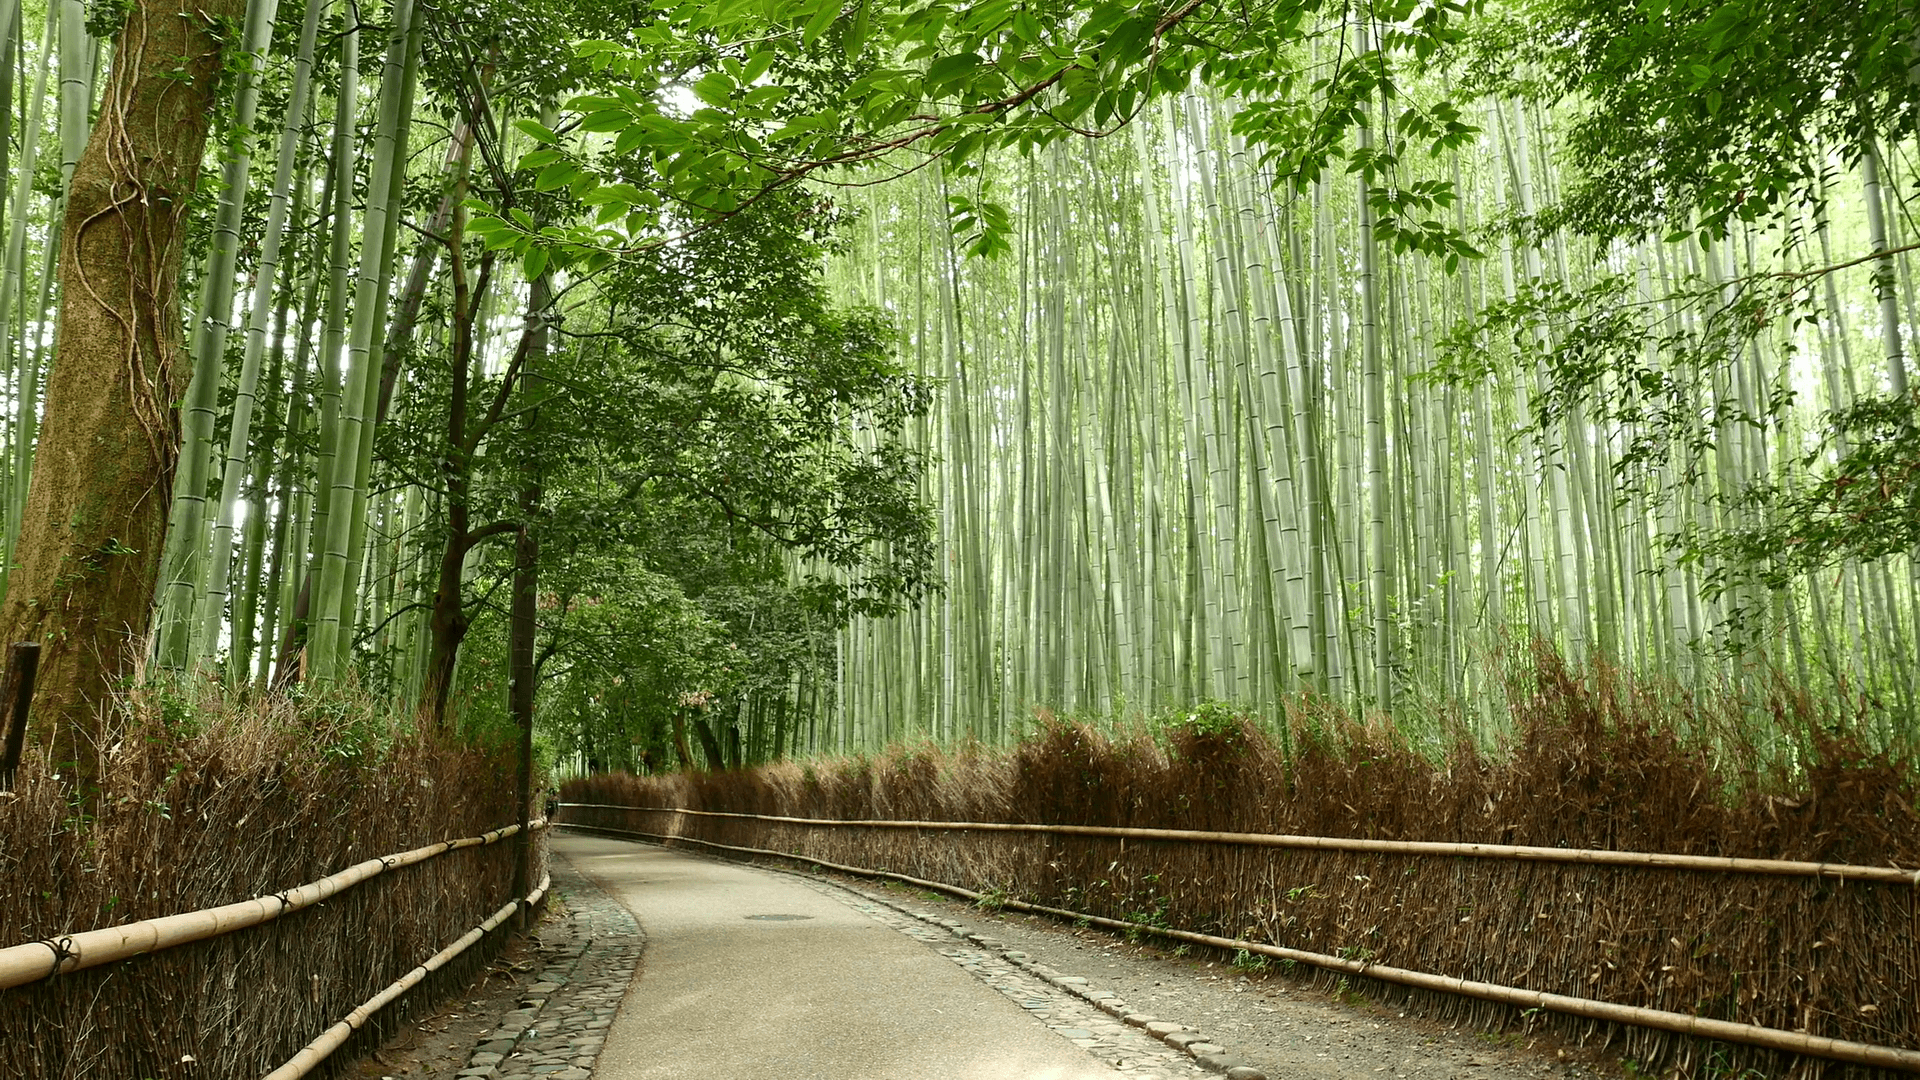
<point>819,991</point>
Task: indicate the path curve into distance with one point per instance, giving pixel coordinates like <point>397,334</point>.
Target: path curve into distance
<point>725,991</point>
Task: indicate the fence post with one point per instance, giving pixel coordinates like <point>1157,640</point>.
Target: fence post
<point>23,663</point>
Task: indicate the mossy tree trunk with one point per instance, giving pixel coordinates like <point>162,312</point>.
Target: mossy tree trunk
<point>96,516</point>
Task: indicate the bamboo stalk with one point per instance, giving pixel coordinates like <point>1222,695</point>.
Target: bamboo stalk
<point>38,960</point>
<point>1516,852</point>
<point>266,274</point>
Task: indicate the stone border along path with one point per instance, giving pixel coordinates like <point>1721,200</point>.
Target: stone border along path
<point>1133,1043</point>
<point>562,1022</point>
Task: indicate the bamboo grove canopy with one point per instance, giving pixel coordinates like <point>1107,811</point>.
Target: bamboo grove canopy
<point>790,375</point>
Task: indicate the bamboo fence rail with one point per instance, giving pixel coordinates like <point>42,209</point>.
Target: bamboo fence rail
<point>1517,852</point>
<point>1681,1023</point>
<point>311,1055</point>
<point>36,960</point>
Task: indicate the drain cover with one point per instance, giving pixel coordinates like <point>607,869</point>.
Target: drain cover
<point>778,918</point>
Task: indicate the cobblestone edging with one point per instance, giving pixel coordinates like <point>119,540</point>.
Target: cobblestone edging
<point>1133,1043</point>
<point>561,1025</point>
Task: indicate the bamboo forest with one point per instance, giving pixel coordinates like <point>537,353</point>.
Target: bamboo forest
<point>815,378</point>
<point>942,443</point>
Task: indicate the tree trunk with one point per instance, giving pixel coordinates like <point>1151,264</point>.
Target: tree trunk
<point>446,629</point>
<point>90,544</point>
<point>680,744</point>
<point>703,729</point>
<point>523,672</point>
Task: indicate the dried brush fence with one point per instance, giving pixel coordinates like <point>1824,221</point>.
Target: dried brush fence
<point>236,805</point>
<point>1831,955</point>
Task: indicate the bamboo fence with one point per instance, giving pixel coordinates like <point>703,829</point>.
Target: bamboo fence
<point>1793,1042</point>
<point>311,1055</point>
<point>36,960</point>
<point>1763,928</point>
<point>1517,852</point>
<point>279,809</point>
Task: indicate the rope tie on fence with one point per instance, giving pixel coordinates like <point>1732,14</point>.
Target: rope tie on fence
<point>62,950</point>
<point>286,901</point>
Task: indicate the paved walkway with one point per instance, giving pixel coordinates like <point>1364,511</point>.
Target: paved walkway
<point>754,974</point>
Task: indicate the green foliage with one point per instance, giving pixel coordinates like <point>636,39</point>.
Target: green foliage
<point>1702,112</point>
<point>1208,719</point>
<point>705,109</point>
<point>1861,501</point>
<point>106,17</point>
<point>1650,375</point>
<point>724,485</point>
<point>1150,910</point>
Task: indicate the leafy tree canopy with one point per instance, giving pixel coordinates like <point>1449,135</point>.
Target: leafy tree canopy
<point>1701,112</point>
<point>724,478</point>
<point>700,109</point>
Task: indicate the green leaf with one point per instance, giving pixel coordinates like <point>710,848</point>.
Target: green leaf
<point>487,225</point>
<point>952,69</point>
<point>856,35</point>
<point>714,88</point>
<point>629,139</point>
<point>535,262</point>
<point>605,120</point>
<point>823,17</point>
<point>557,175</point>
<point>757,65</point>
<point>540,132</point>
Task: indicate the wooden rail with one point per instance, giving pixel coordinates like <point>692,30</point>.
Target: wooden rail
<point>317,1051</point>
<point>38,960</point>
<point>1578,856</point>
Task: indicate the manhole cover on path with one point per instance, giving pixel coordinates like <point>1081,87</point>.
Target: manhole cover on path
<point>778,918</point>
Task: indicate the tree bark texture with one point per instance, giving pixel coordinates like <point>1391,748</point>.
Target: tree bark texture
<point>523,682</point>
<point>96,518</point>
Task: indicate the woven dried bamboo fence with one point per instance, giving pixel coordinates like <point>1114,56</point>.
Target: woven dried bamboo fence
<point>52,957</point>
<point>1474,892</point>
<point>224,988</point>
